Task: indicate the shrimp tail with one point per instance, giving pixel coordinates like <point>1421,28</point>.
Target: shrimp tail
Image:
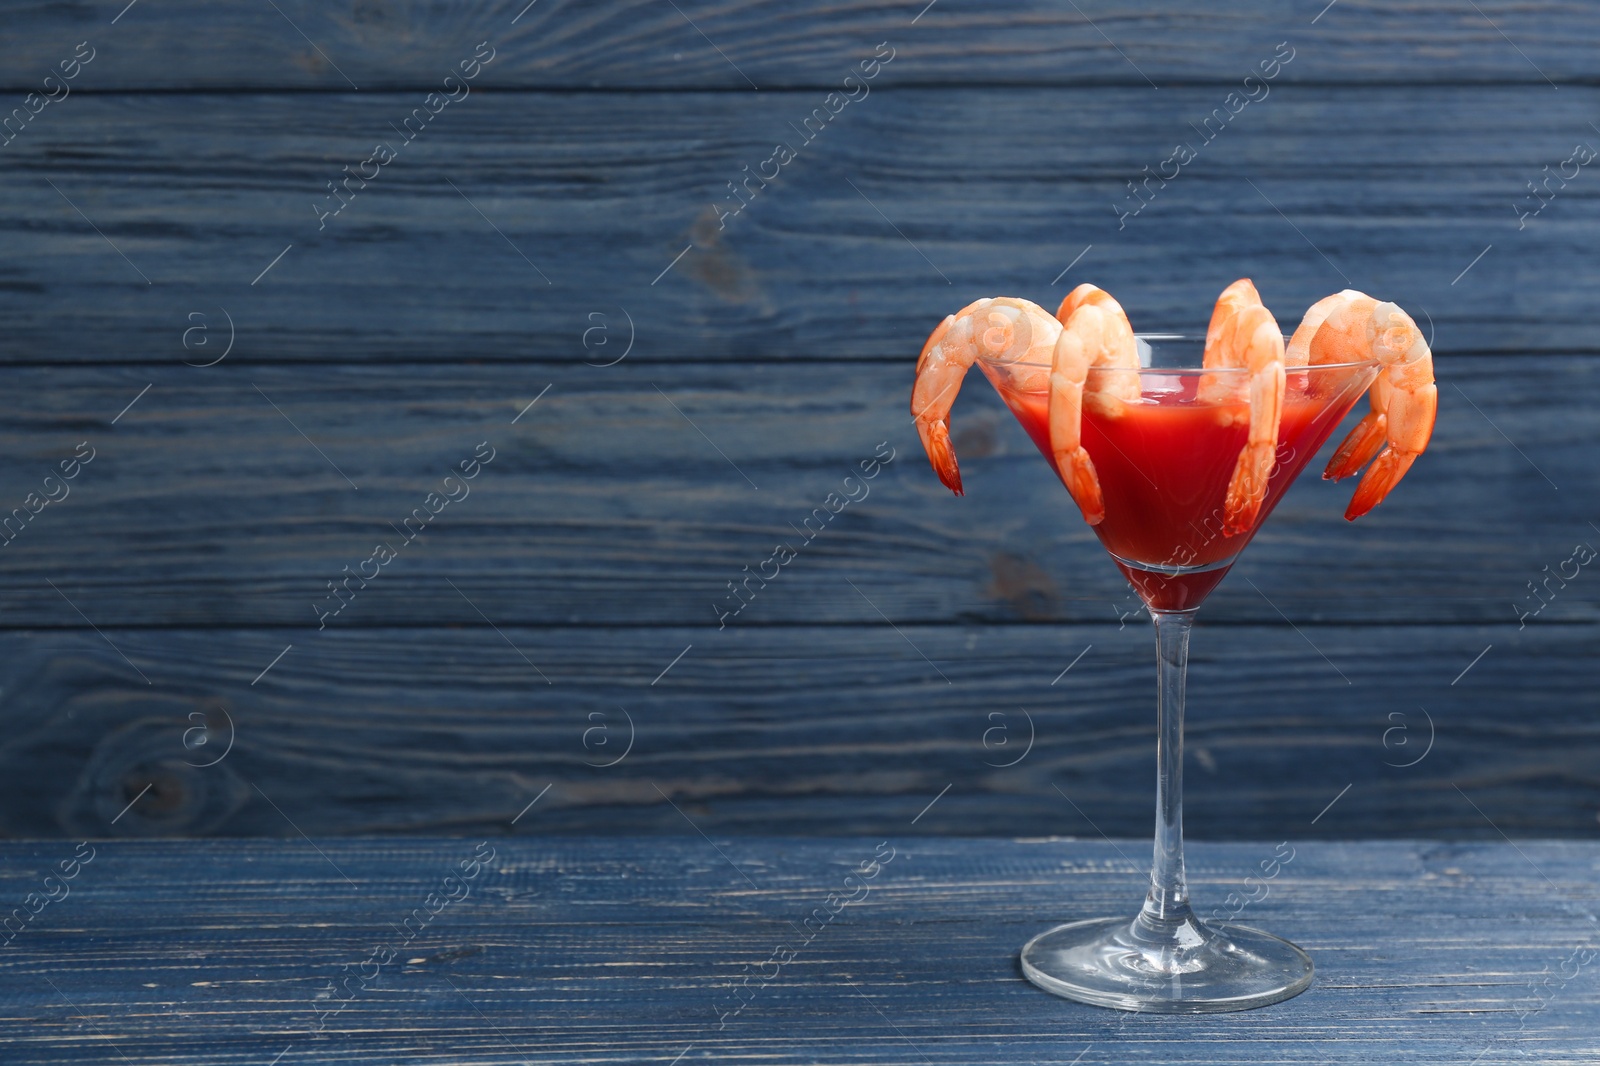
<point>1078,474</point>
<point>1251,338</point>
<point>1404,397</point>
<point>1410,417</point>
<point>941,453</point>
<point>1247,488</point>
<point>1092,335</point>
<point>1380,478</point>
<point>1357,448</point>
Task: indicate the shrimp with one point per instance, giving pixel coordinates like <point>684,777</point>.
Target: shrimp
<point>1003,330</point>
<point>1226,389</point>
<point>1234,298</point>
<point>1119,350</point>
<point>1404,398</point>
<point>1089,294</point>
<point>1255,335</point>
<point>1298,351</point>
<point>1243,334</point>
<point>1096,334</point>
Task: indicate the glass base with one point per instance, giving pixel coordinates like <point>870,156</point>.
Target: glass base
<point>1193,968</point>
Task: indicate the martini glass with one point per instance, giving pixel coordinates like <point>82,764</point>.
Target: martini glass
<point>1164,462</point>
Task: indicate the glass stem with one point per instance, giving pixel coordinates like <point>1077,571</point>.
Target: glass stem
<point>1166,908</point>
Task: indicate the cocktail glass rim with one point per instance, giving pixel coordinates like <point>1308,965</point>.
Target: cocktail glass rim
<point>1188,338</point>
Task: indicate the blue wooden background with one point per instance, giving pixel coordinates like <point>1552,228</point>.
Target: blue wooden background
<point>268,389</point>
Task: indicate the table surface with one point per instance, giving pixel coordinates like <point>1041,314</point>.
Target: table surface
<point>694,949</point>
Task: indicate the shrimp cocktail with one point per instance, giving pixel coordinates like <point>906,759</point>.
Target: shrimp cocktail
<point>1175,450</point>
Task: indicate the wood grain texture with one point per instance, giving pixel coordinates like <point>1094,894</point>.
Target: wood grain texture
<point>175,196</point>
<point>626,951</point>
<point>568,205</point>
<point>733,45</point>
<point>798,730</point>
<point>620,498</point>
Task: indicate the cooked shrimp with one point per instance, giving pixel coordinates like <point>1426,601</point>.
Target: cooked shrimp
<point>1089,294</point>
<point>1254,340</point>
<point>1404,399</point>
<point>1003,330</point>
<point>1118,350</point>
<point>1243,334</point>
<point>1298,351</point>
<point>1097,334</point>
<point>1235,298</point>
<point>1226,388</point>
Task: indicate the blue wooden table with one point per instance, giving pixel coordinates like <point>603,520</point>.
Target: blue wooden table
<point>737,950</point>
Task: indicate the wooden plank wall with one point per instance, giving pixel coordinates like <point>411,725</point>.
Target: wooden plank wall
<point>269,387</point>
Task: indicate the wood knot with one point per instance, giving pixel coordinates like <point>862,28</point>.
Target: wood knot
<point>1023,586</point>
<point>975,437</point>
<point>154,776</point>
<point>718,267</point>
